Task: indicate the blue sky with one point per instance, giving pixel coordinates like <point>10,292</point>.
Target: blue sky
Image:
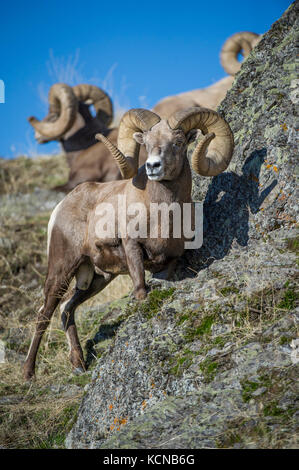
<point>139,51</point>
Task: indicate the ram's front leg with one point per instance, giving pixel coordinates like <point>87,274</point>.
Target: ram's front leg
<point>135,264</point>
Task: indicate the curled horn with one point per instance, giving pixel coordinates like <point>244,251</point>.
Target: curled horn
<point>239,42</point>
<point>100,100</point>
<point>126,153</point>
<point>63,104</point>
<point>214,152</point>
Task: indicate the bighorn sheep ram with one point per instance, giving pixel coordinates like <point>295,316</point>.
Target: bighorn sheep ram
<point>71,123</point>
<point>74,245</point>
<point>212,96</point>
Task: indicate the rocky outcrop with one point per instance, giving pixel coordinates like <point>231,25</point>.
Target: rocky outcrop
<point>209,360</point>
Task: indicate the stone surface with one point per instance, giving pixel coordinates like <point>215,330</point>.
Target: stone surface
<point>207,360</point>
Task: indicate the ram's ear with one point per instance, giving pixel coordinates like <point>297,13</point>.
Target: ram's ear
<point>138,136</point>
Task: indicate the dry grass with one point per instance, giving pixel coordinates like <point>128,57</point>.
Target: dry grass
<point>36,415</point>
<point>39,415</point>
<point>24,174</point>
<point>33,416</point>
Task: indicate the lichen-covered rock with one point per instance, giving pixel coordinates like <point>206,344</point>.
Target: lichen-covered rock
<point>178,347</point>
<point>258,191</point>
<point>208,359</point>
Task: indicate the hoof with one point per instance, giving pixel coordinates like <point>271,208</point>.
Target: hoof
<point>28,372</point>
<point>29,377</point>
<point>140,294</point>
<point>78,371</point>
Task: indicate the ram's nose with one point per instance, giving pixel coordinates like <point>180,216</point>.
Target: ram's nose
<point>153,166</point>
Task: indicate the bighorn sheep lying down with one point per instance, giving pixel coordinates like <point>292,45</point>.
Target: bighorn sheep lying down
<point>212,96</point>
<point>71,123</point>
<point>75,247</point>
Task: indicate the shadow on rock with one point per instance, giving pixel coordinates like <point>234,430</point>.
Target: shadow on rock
<point>226,208</point>
<point>105,332</point>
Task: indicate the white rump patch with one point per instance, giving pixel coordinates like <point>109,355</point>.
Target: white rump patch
<point>51,225</point>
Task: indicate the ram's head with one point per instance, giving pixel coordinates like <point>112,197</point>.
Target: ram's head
<point>69,111</point>
<point>166,142</point>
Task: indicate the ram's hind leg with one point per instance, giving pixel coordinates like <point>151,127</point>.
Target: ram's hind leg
<point>54,289</point>
<point>68,316</point>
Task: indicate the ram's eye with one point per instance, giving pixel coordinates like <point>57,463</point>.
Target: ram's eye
<point>176,145</point>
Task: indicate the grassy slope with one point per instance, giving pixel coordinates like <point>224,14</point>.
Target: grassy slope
<point>36,415</point>
<point>39,415</point>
